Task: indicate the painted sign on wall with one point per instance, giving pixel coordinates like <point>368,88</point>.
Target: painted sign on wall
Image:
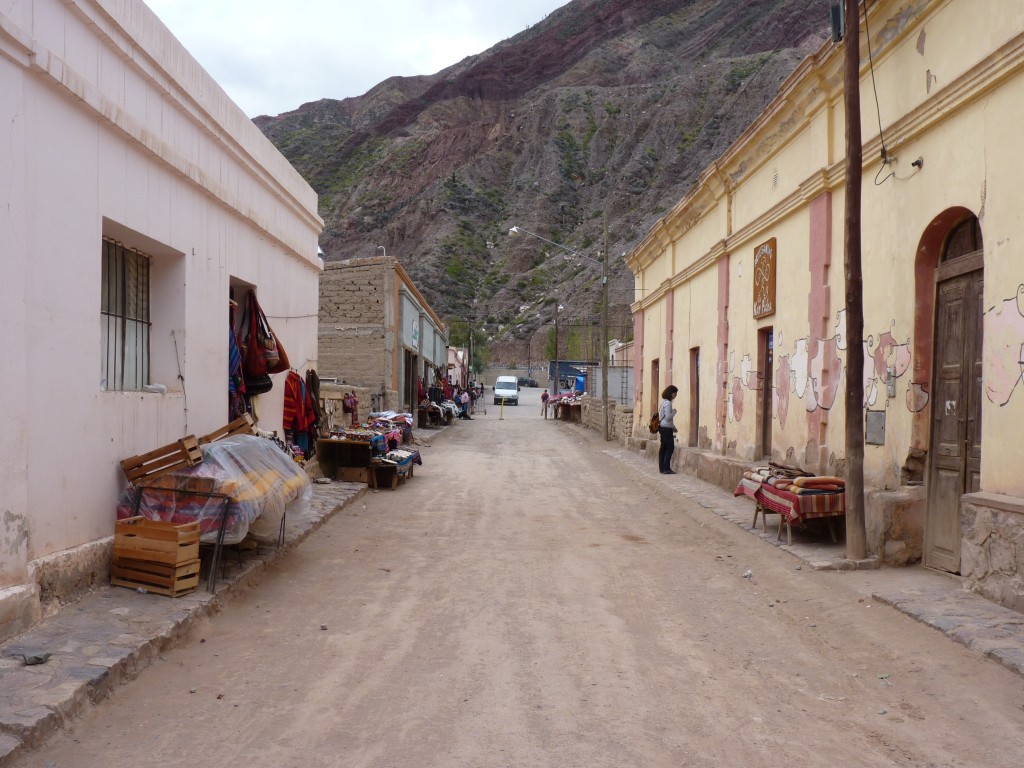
<point>764,279</point>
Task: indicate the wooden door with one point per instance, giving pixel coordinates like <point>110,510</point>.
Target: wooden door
<point>955,452</point>
<point>694,397</point>
<point>766,363</point>
<point>655,385</point>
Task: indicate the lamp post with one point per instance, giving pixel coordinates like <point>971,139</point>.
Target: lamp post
<point>382,248</point>
<point>554,389</point>
<point>469,347</point>
<point>515,232</point>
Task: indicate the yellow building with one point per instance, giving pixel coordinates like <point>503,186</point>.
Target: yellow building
<point>741,289</point>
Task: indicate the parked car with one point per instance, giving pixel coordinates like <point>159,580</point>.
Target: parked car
<point>525,381</point>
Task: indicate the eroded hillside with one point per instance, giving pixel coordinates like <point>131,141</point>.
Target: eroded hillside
<point>601,115</point>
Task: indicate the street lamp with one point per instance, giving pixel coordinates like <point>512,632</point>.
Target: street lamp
<point>382,248</point>
<point>554,389</point>
<point>515,232</point>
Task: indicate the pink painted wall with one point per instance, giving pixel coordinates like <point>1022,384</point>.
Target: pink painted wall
<point>819,302</point>
<point>111,128</point>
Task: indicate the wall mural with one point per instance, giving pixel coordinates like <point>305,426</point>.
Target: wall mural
<point>802,372</point>
<point>1003,359</point>
<point>812,371</point>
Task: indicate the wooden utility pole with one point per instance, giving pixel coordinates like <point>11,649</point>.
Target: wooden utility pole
<point>856,535</point>
<point>604,331</point>
<point>554,385</point>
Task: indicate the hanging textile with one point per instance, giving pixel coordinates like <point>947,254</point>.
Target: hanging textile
<point>236,380</point>
<point>299,416</point>
<point>313,388</point>
<point>298,410</point>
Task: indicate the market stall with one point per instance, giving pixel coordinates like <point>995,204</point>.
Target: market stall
<point>371,453</point>
<point>568,407</point>
<point>256,477</point>
<point>230,483</point>
<point>796,496</point>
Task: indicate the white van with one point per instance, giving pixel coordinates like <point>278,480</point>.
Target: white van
<point>506,388</point>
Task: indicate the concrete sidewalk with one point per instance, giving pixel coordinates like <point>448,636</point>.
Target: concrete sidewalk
<point>110,635</point>
<point>939,600</point>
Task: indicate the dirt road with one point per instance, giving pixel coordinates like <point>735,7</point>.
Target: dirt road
<point>526,601</point>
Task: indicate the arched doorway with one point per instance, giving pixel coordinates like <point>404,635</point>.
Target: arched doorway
<point>954,453</point>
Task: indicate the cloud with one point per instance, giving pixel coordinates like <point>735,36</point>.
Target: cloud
<point>271,57</point>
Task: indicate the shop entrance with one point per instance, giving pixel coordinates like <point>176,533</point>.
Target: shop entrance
<point>409,382</point>
<point>765,364</point>
<point>655,384</point>
<point>955,443</point>
<point>694,397</point>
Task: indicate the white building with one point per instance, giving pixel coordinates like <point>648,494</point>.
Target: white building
<point>131,189</point>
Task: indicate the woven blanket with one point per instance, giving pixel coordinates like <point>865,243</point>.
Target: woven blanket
<point>747,487</point>
<point>810,482</point>
<point>797,508</point>
<point>823,488</point>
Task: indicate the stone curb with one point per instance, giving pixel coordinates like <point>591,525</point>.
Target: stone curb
<point>109,636</point>
<point>967,618</point>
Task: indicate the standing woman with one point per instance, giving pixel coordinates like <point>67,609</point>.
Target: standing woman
<point>667,430</point>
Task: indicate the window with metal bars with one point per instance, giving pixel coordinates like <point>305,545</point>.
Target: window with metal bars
<point>124,318</point>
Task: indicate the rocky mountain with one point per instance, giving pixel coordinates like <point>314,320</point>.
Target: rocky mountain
<point>596,120</point>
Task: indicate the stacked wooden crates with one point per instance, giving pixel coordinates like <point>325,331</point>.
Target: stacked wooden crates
<point>155,556</point>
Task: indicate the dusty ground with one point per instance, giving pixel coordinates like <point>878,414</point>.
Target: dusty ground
<point>525,601</point>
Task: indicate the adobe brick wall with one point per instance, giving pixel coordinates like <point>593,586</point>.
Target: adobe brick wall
<point>356,312</point>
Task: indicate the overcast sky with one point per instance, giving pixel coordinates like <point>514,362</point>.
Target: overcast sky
<point>272,56</point>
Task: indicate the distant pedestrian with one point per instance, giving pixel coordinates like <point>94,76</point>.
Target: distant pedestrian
<point>667,430</point>
<point>350,405</point>
<point>464,400</point>
<point>544,403</point>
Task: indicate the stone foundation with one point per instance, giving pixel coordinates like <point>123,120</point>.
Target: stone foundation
<point>992,547</point>
<point>53,581</point>
<point>19,609</point>
<point>64,577</point>
<point>895,524</point>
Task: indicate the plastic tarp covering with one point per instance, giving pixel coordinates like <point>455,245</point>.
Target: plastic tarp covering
<point>261,480</point>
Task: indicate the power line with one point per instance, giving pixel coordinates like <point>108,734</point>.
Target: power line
<point>878,109</point>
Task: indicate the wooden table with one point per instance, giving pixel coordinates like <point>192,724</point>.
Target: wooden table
<point>794,509</point>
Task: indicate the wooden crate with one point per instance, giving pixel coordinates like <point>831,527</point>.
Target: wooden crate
<point>353,474</point>
<point>383,476</point>
<point>183,453</point>
<point>163,579</point>
<point>154,541</point>
<point>243,425</point>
